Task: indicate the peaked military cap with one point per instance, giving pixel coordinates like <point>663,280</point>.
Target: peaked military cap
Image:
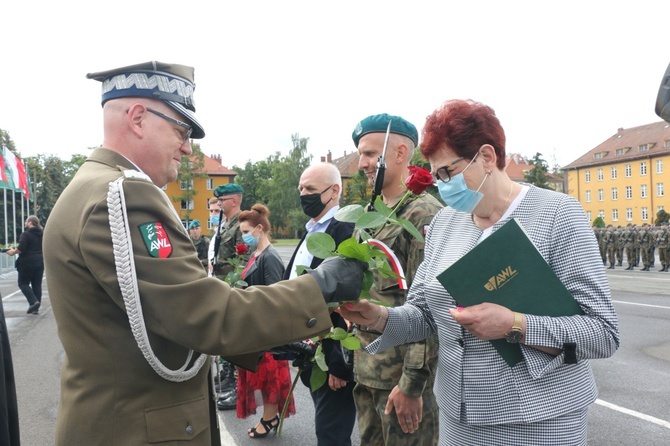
<point>194,224</point>
<point>170,83</point>
<point>379,124</point>
<point>228,189</point>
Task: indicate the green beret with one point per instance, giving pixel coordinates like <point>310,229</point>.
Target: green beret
<point>194,224</point>
<point>228,189</point>
<point>379,124</point>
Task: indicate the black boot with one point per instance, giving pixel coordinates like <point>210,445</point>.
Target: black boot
<point>611,266</point>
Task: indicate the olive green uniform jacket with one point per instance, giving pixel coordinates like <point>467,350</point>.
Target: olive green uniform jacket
<point>110,395</point>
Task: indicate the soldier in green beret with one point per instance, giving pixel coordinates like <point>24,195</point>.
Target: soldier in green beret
<point>400,379</point>
<point>663,243</point>
<point>228,234</point>
<point>200,241</point>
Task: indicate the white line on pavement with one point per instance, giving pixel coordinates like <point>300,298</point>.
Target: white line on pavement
<point>662,423</point>
<point>641,305</point>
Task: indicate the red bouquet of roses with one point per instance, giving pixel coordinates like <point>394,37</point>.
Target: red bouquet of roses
<point>241,249</point>
<point>419,179</point>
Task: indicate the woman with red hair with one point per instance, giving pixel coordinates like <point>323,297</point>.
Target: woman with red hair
<point>544,398</point>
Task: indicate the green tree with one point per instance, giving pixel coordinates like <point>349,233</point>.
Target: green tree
<point>661,216</point>
<point>256,181</point>
<point>283,196</point>
<point>190,168</point>
<point>356,190</point>
<point>599,222</point>
<point>538,174</point>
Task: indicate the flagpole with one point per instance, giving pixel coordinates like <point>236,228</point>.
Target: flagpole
<point>14,215</point>
<point>4,190</point>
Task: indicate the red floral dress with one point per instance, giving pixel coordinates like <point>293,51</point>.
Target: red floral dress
<point>271,382</point>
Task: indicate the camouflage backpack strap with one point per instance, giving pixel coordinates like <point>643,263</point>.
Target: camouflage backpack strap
<point>127,275</point>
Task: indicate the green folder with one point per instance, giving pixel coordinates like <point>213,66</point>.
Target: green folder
<point>507,269</point>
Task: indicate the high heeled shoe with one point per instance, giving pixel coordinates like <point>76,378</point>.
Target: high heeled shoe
<point>268,425</point>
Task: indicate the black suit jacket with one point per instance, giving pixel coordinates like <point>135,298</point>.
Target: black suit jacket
<point>340,231</point>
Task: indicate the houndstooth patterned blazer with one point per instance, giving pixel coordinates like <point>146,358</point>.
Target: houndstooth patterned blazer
<point>474,385</point>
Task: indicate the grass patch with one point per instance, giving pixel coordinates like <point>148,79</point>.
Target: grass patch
<point>286,242</point>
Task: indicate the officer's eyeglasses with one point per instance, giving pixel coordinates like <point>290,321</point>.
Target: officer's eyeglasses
<point>184,135</point>
<point>443,173</point>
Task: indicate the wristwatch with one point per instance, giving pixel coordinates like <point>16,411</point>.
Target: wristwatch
<point>515,335</point>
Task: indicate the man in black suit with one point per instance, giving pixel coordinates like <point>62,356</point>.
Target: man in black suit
<point>335,412</point>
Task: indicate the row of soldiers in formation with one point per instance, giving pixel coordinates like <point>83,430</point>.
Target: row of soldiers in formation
<point>638,243</point>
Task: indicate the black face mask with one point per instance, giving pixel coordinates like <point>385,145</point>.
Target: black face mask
<point>311,203</point>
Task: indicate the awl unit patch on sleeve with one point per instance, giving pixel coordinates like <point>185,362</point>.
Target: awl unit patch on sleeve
<point>156,240</point>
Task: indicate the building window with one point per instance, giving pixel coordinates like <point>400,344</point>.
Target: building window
<point>186,205</point>
<point>629,214</point>
<point>613,173</point>
<point>615,193</point>
<point>615,215</point>
<point>587,176</point>
<point>628,171</point>
<point>601,214</point>
<point>629,192</point>
<point>210,184</point>
<point>645,214</point>
<point>643,191</point>
<point>643,168</point>
<point>588,215</point>
<point>588,196</point>
<point>659,208</point>
<point>601,194</point>
<point>659,166</point>
<point>600,174</point>
<point>186,185</point>
<point>659,189</point>
<point>643,147</point>
<point>667,143</point>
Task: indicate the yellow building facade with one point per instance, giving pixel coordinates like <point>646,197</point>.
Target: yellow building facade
<point>624,179</point>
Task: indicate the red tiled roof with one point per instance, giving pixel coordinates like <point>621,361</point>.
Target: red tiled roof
<point>348,164</point>
<point>213,166</point>
<point>627,142</point>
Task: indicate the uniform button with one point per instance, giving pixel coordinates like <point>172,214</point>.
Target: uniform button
<point>311,322</point>
<point>189,430</point>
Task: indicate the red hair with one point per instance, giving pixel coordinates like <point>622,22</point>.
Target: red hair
<point>463,126</point>
<point>258,215</point>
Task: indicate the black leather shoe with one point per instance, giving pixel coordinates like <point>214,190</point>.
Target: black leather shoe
<point>228,403</point>
<point>34,308</point>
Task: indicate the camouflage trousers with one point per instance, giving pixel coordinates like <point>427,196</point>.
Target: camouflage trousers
<point>378,429</point>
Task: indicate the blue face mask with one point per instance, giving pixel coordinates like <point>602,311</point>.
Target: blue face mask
<point>215,220</point>
<point>456,194</point>
<point>249,239</point>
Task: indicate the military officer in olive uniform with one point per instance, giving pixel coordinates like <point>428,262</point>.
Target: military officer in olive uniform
<point>229,234</point>
<point>636,245</point>
<point>618,232</point>
<point>400,379</point>
<point>136,314</point>
<point>200,242</point>
<point>602,244</point>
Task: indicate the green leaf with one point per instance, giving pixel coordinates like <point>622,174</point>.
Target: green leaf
<point>351,343</point>
<point>365,294</point>
<point>350,214</point>
<point>320,358</point>
<point>370,220</point>
<point>338,333</point>
<point>409,227</point>
<point>300,269</point>
<point>317,379</point>
<point>382,208</point>
<point>320,245</point>
<point>368,280</point>
<point>351,249</point>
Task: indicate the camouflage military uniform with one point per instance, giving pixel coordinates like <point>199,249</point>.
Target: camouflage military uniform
<point>636,246</point>
<point>610,244</point>
<point>410,366</point>
<point>231,236</point>
<point>646,239</point>
<point>629,237</point>
<point>201,246</point>
<point>602,244</point>
<point>663,242</point>
<point>619,246</point>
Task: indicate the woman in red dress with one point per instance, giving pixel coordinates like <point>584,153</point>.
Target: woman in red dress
<point>273,378</point>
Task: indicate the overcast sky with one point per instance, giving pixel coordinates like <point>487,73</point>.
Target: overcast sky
<point>561,76</point>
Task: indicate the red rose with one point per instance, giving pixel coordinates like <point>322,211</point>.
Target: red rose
<point>419,179</point>
<point>241,249</point>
